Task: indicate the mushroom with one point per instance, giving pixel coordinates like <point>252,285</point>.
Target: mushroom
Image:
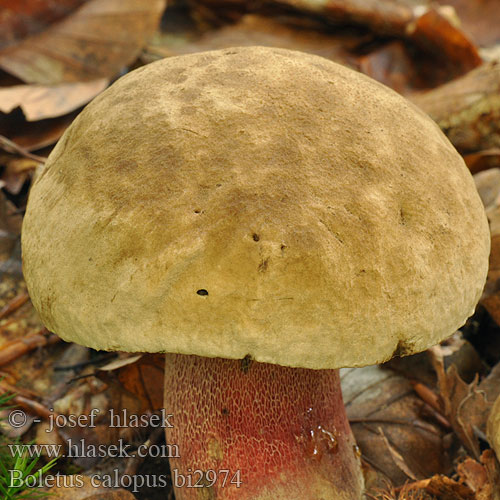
<point>266,217</point>
<point>493,427</point>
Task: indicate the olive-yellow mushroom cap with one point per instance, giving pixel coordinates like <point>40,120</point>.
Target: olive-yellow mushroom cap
<point>255,201</point>
<point>493,427</point>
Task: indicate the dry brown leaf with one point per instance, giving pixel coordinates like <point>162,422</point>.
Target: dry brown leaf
<point>132,389</point>
<point>11,147</point>
<point>490,462</point>
<point>383,16</point>
<point>123,359</point>
<point>437,487</point>
<point>467,109</point>
<point>427,27</point>
<point>144,379</point>
<point>458,351</point>
<point>396,456</point>
<point>474,475</point>
<point>34,135</point>
<point>22,18</point>
<point>417,368</point>
<point>443,488</point>
<point>17,171</point>
<point>480,19</point>
<point>488,186</point>
<point>379,398</point>
<point>97,40</point>
<point>38,102</point>
<point>490,385</point>
<point>483,160</point>
<point>401,494</point>
<point>435,32</point>
<point>392,66</point>
<point>464,405</point>
<point>259,30</point>
<point>482,477</point>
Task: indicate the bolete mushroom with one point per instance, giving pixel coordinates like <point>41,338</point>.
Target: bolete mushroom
<point>266,217</point>
<point>493,427</point>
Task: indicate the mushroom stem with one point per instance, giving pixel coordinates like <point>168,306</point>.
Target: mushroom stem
<point>279,432</point>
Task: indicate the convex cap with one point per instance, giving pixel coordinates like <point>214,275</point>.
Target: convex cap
<point>255,201</point>
<point>493,427</point>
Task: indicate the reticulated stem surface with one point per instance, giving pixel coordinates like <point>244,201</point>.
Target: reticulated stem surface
<point>282,433</point>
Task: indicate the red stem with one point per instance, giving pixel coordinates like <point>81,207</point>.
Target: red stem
<point>282,431</point>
